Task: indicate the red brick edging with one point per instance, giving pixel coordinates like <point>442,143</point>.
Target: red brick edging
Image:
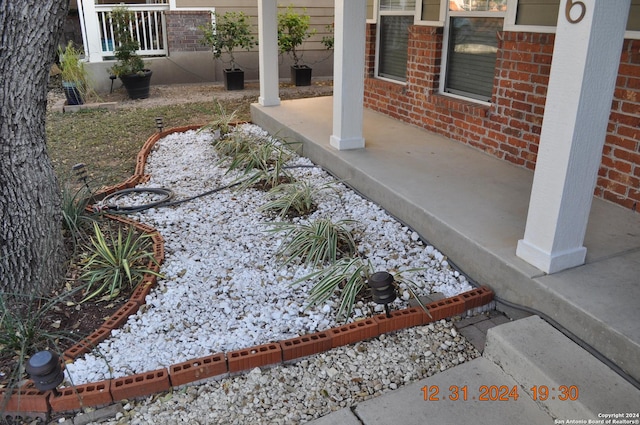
<point>29,400</point>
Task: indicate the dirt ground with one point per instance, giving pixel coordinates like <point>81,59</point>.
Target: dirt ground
<point>160,95</point>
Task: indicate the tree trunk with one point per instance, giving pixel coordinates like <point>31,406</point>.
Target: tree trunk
<point>31,246</point>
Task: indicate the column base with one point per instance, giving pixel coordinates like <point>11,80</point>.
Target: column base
<point>265,101</point>
<point>345,144</point>
<point>550,262</point>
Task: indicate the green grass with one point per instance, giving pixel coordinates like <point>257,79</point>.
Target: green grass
<point>108,141</point>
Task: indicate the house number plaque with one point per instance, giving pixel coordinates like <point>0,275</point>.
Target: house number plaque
<point>570,5</point>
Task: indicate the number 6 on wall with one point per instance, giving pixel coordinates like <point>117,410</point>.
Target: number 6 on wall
<point>570,5</point>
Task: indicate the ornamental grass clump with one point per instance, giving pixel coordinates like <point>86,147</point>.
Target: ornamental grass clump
<point>294,199</point>
<point>235,144</point>
<point>319,242</point>
<point>222,123</point>
<point>349,277</point>
<point>116,263</point>
<point>263,164</point>
<point>75,216</point>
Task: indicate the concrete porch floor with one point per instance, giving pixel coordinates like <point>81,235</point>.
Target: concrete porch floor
<point>473,208</point>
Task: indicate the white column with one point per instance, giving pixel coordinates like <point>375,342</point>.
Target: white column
<point>268,52</point>
<point>585,63</point>
<point>348,74</point>
<point>92,30</point>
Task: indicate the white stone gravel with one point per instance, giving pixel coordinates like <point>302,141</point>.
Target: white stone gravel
<point>224,290</point>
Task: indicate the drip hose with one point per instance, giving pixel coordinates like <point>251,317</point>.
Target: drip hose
<point>108,203</point>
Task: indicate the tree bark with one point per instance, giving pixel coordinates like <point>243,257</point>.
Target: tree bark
<point>31,245</point>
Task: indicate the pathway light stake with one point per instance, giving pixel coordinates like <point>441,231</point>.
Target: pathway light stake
<point>382,289</point>
<point>159,124</point>
<point>81,174</point>
<point>45,370</point>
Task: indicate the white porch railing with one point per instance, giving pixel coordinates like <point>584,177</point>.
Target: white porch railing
<point>149,27</point>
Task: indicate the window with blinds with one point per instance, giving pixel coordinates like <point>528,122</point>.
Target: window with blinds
<point>472,50</point>
<point>395,18</point>
<point>392,48</point>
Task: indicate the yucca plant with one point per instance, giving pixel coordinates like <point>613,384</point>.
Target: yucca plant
<point>74,211</point>
<point>234,144</point>
<point>116,263</point>
<point>295,198</point>
<point>223,120</point>
<point>263,163</point>
<point>319,242</point>
<point>349,276</point>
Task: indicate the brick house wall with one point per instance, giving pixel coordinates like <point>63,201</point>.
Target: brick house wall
<point>510,127</point>
<point>183,34</point>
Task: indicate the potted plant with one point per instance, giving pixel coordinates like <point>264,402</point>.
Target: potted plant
<point>130,67</point>
<point>293,30</point>
<point>230,31</point>
<point>73,73</point>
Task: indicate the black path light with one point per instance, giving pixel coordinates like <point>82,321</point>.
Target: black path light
<point>45,370</point>
<point>159,124</point>
<point>383,289</point>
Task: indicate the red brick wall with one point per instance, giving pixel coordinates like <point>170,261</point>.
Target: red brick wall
<point>510,128</point>
<point>183,34</point>
<point>619,176</point>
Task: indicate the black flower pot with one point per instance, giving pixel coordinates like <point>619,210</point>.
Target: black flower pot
<point>74,97</point>
<point>234,79</point>
<point>137,85</point>
<point>300,75</point>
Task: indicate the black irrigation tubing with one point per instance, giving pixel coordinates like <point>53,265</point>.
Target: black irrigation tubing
<point>107,203</point>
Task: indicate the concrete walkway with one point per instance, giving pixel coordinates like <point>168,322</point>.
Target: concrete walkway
<point>473,208</point>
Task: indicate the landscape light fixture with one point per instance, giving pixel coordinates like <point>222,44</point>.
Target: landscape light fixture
<point>159,124</point>
<point>81,174</point>
<point>112,78</point>
<point>45,370</point>
<point>383,290</point>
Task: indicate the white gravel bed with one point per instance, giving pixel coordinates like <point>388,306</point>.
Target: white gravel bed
<point>223,288</point>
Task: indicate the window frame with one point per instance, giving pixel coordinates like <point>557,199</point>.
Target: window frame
<point>374,20</point>
<point>378,26</point>
<point>441,20</point>
<point>510,24</point>
<point>445,50</point>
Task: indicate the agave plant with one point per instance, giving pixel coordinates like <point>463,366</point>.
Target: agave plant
<point>319,242</point>
<point>116,263</point>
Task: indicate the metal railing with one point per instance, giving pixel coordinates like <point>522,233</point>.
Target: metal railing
<point>149,27</point>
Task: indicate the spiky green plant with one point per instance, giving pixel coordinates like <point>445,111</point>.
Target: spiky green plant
<point>295,198</point>
<point>319,242</point>
<point>116,263</point>
<point>349,276</point>
<point>263,163</point>
<point>74,211</point>
<point>222,122</point>
<point>236,143</point>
